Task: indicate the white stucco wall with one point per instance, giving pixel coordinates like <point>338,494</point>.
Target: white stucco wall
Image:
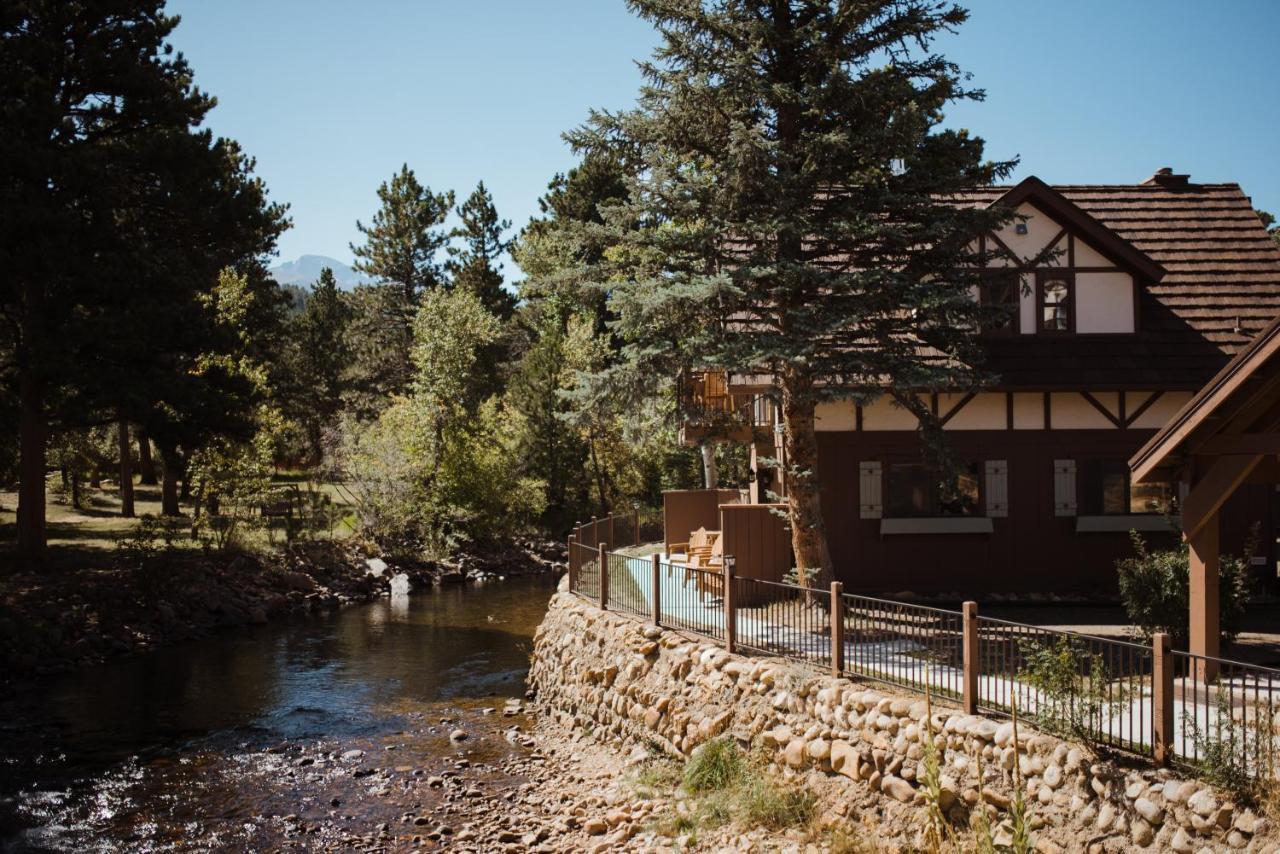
<point>1104,302</point>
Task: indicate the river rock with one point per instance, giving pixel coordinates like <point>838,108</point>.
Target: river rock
<point>898,789</point>
<point>1149,811</point>
<point>1203,803</point>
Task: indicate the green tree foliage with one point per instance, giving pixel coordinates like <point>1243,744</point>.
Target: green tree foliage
<point>435,471</point>
<point>1155,587</point>
<point>1269,223</point>
<point>788,171</point>
<point>401,251</point>
<point>474,266</point>
<point>115,214</point>
<point>318,359</point>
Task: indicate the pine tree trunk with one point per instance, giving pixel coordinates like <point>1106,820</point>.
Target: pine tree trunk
<point>33,436</point>
<point>126,470</point>
<point>146,463</point>
<point>804,501</point>
<point>169,483</point>
<point>710,477</point>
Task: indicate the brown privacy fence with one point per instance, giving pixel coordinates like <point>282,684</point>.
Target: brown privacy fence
<point>1145,699</point>
<point>685,510</point>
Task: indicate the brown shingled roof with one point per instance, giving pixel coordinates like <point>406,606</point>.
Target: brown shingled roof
<point>1220,287</point>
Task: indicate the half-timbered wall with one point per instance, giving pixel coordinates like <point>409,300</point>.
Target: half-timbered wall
<point>1104,298</point>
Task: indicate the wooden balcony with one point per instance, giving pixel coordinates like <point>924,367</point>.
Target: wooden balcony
<point>710,409</point>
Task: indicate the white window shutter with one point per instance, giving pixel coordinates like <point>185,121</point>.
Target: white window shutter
<point>997,488</point>
<point>870,505</point>
<point>1064,487</point>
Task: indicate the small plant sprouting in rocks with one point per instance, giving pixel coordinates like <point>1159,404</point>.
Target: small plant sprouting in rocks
<point>938,835</point>
<point>983,840</point>
<point>1018,812</point>
<point>1238,751</point>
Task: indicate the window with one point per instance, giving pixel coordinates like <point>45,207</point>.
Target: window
<point>1105,491</point>
<point>1056,316</point>
<point>915,490</point>
<point>1001,293</point>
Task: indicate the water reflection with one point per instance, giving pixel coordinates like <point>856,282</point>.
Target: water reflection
<point>336,675</point>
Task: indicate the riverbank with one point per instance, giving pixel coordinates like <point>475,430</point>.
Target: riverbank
<point>90,606</point>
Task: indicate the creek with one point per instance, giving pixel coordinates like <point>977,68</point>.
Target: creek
<point>311,732</point>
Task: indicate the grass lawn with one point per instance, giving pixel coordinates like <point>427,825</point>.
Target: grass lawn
<point>98,525</point>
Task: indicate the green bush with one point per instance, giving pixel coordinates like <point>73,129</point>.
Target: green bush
<point>716,765</point>
<point>1155,589</point>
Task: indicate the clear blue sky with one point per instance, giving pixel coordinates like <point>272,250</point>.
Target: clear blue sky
<point>331,96</point>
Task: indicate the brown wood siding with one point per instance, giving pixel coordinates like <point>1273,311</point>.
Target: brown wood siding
<point>758,539</point>
<point>1031,550</point>
<point>687,510</point>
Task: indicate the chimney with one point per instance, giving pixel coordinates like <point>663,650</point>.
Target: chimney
<point>1164,177</point>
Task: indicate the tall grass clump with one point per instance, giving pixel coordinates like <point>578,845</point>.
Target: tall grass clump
<point>716,765</point>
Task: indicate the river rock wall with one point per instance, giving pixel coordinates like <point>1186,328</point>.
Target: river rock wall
<point>634,683</point>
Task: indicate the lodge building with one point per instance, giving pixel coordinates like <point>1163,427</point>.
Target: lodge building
<point>1124,300</point>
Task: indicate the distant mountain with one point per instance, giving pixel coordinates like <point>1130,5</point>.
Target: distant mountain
<point>307,269</point>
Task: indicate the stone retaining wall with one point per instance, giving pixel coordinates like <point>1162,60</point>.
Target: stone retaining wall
<point>640,684</point>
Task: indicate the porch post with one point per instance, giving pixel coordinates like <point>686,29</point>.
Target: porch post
<point>1205,628</point>
<point>602,553</point>
<point>971,657</point>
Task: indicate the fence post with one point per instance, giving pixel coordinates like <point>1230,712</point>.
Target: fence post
<point>612,541</point>
<point>1161,698</point>
<point>971,658</point>
<point>730,607</point>
<point>602,552</point>
<point>837,628</point>
<point>573,568</point>
<point>657,589</point>
<point>635,529</point>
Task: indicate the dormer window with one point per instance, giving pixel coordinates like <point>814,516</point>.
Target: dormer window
<point>1055,297</point>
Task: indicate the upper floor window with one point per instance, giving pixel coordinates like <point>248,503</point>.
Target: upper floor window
<point>1055,298</point>
<point>1000,293</point>
<point>1105,490</point>
<point>914,490</point>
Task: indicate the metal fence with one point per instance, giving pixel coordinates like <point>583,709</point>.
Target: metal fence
<point>1078,685</point>
<point>914,646</point>
<point>1225,715</point>
<point>1146,699</point>
<point>785,620</point>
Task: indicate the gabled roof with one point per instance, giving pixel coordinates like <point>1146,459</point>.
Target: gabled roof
<point>1075,218</point>
<point>1240,401</point>
<point>1220,287</point>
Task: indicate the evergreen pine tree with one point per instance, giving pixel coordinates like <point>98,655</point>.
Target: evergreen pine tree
<point>789,212</point>
<point>401,251</point>
<point>474,266</point>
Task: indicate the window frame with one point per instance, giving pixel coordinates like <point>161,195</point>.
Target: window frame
<point>1068,277</point>
<point>932,512</point>
<point>1085,503</point>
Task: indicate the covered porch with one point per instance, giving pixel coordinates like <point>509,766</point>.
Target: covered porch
<point>1228,435</point>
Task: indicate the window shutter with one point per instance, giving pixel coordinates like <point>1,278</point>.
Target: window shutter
<point>997,488</point>
<point>869,490</point>
<point>1064,487</point>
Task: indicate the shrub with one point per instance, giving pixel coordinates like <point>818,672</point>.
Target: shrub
<point>766,805</point>
<point>1075,688</point>
<point>716,765</point>
<point>1155,588</point>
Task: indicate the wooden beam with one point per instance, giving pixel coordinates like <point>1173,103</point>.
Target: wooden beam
<point>1107,413</point>
<point>1240,443</point>
<point>951,413</point>
<point>1142,407</point>
<point>1205,627</point>
<point>1214,487</point>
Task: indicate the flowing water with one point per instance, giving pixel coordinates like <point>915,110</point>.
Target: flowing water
<point>307,733</point>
